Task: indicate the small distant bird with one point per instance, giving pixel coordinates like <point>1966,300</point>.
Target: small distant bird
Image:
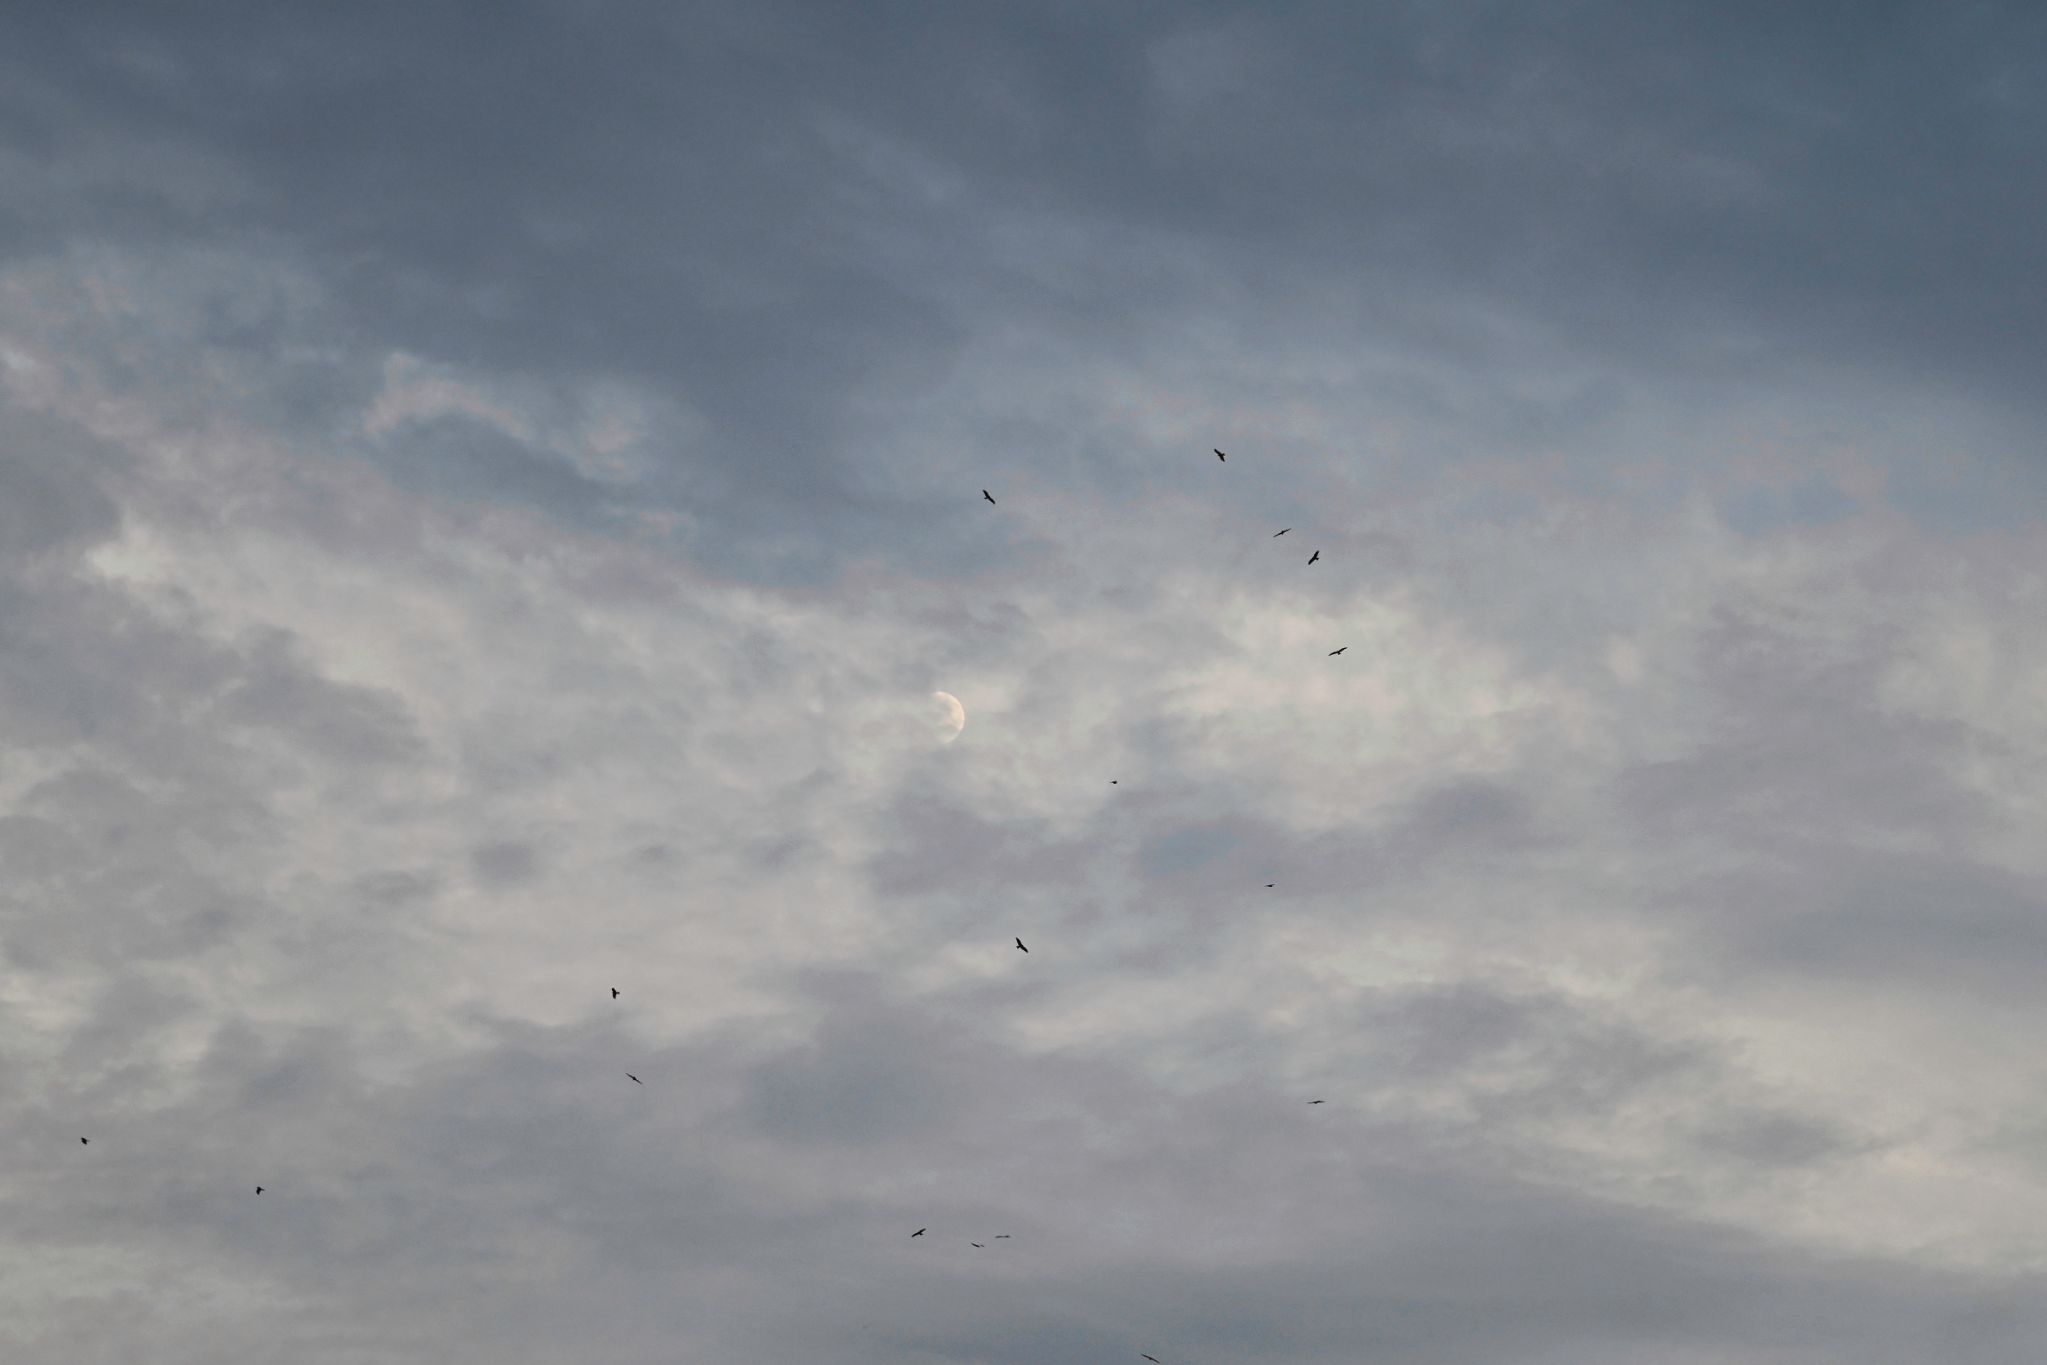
<point>1277,534</point>
<point>1000,1235</point>
<point>634,1079</point>
<point>1268,886</point>
<point>259,1189</point>
<point>1313,557</point>
<point>614,992</point>
<point>1019,944</point>
<point>1112,781</point>
<point>1318,1101</point>
<point>1153,1359</point>
<point>990,496</point>
<point>973,1244</point>
<point>1334,652</point>
<point>919,1232</point>
<point>81,1142</point>
<point>1220,456</point>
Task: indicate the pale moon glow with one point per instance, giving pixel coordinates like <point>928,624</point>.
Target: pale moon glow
<point>950,715</point>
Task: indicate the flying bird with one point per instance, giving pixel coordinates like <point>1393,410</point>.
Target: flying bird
<point>634,1079</point>
<point>1112,781</point>
<point>1268,886</point>
<point>1334,652</point>
<point>614,992</point>
<point>1220,456</point>
<point>259,1189</point>
<point>1277,534</point>
<point>919,1232</point>
<point>973,1244</point>
<point>990,496</point>
<point>1019,944</point>
<point>1153,1359</point>
<point>1313,557</point>
<point>1318,1101</point>
<point>81,1142</point>
<point>1000,1235</point>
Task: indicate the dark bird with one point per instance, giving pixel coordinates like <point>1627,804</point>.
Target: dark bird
<point>81,1142</point>
<point>1313,557</point>
<point>1112,781</point>
<point>1019,944</point>
<point>919,1232</point>
<point>1153,1359</point>
<point>634,1079</point>
<point>1318,1101</point>
<point>1220,456</point>
<point>614,992</point>
<point>259,1189</point>
<point>1000,1235</point>
<point>1268,886</point>
<point>1277,534</point>
<point>1334,652</point>
<point>973,1244</point>
<point>990,496</point>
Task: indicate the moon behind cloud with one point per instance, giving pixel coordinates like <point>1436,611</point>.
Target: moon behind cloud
<point>950,715</point>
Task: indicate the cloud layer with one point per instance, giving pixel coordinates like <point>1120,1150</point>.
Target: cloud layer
<point>486,495</point>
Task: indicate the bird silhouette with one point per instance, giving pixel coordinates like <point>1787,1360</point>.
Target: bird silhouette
<point>1277,534</point>
<point>634,1079</point>
<point>1153,1359</point>
<point>1000,1235</point>
<point>1220,456</point>
<point>1334,652</point>
<point>259,1189</point>
<point>1019,944</point>
<point>1318,1101</point>
<point>990,496</point>
<point>614,992</point>
<point>1268,886</point>
<point>81,1142</point>
<point>973,1244</point>
<point>1112,781</point>
<point>1313,557</point>
<point>919,1232</point>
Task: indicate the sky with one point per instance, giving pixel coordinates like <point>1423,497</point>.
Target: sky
<point>487,492</point>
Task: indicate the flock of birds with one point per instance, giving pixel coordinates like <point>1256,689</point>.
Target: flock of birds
<point>1312,558</point>
<point>1000,1236</point>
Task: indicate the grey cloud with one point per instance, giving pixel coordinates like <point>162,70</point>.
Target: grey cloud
<point>1640,185</point>
<point>467,459</point>
<point>1781,1139</point>
<point>935,843</point>
<point>504,863</point>
<point>279,691</point>
<point>49,499</point>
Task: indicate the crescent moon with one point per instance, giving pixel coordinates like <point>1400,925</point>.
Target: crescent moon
<point>952,717</point>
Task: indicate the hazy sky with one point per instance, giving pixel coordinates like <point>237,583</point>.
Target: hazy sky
<point>486,494</point>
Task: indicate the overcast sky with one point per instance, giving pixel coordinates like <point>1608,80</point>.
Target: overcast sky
<point>487,492</point>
